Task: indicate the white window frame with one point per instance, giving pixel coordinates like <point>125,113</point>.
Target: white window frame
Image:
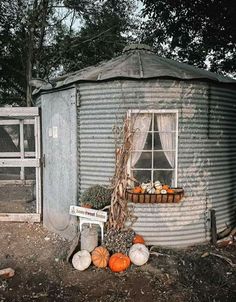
<point>161,111</point>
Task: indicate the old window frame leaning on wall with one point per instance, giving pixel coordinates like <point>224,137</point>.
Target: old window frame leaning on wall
<point>20,117</point>
<point>142,140</point>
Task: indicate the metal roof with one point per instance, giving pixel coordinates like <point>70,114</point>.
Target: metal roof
<point>138,61</point>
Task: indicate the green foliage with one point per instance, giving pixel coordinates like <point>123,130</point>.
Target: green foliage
<point>42,34</point>
<point>97,196</point>
<point>105,31</point>
<point>193,31</point>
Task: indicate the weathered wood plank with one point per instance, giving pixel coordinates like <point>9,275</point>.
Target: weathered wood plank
<point>19,111</point>
<point>17,182</point>
<point>10,162</point>
<point>20,217</point>
<point>15,122</point>
<point>16,154</point>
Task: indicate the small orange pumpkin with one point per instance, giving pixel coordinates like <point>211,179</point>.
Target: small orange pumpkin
<point>171,191</point>
<point>119,262</point>
<point>87,206</point>
<point>100,257</point>
<point>138,239</point>
<point>137,190</point>
<point>165,187</point>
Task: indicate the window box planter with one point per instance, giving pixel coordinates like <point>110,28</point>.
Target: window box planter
<point>155,198</point>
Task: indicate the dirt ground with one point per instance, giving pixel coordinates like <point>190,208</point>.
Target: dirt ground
<point>42,274</point>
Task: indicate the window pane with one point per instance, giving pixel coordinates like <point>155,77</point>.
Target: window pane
<point>17,196</point>
<point>165,177</point>
<point>9,138</point>
<point>142,176</point>
<point>165,121</point>
<point>164,141</point>
<point>141,125</point>
<point>143,159</point>
<point>164,160</point>
<point>29,139</point>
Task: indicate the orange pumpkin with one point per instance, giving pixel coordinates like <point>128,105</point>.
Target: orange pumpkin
<point>138,239</point>
<point>137,190</point>
<point>100,257</point>
<point>119,262</point>
<point>165,187</point>
<point>171,191</point>
<point>87,206</point>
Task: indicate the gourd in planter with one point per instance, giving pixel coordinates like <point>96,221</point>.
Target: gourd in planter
<point>138,239</point>
<point>100,257</point>
<point>139,254</point>
<point>119,262</point>
<point>81,260</point>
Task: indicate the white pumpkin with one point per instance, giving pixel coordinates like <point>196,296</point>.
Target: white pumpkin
<point>157,183</point>
<point>163,192</point>
<point>139,254</point>
<point>151,190</point>
<point>144,186</point>
<point>81,260</point>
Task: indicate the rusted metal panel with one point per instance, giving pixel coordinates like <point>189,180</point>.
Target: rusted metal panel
<point>207,151</point>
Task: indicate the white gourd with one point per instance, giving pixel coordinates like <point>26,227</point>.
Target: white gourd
<point>81,260</point>
<point>157,183</point>
<point>139,254</point>
<point>151,190</point>
<point>163,192</point>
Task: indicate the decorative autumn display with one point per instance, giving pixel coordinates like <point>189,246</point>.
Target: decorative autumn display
<point>118,241</point>
<point>97,196</point>
<point>119,262</point>
<point>100,257</point>
<point>139,254</point>
<point>81,260</point>
<point>138,239</point>
<point>154,193</point>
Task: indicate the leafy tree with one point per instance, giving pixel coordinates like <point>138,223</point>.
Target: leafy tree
<point>199,32</point>
<point>27,48</point>
<point>107,27</point>
<point>39,39</point>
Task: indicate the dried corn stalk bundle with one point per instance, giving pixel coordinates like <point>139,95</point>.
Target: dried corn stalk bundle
<point>119,210</point>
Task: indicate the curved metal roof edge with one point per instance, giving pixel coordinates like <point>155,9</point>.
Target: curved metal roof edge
<point>76,76</point>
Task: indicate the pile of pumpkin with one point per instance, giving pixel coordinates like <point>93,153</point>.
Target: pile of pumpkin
<point>153,188</point>
<point>118,262</point>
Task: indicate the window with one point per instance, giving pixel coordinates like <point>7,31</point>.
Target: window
<point>155,142</point>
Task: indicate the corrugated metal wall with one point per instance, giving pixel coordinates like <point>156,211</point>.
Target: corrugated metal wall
<point>207,152</point>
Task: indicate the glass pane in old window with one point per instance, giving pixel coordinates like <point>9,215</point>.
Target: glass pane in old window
<point>9,138</point>
<point>165,177</point>
<point>142,176</point>
<point>142,160</point>
<point>165,121</point>
<point>164,141</point>
<point>29,139</point>
<point>164,160</point>
<point>17,196</point>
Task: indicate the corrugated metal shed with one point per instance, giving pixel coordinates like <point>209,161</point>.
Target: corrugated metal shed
<point>206,103</point>
<point>207,152</point>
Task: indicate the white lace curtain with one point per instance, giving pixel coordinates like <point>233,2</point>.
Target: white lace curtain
<point>141,125</point>
<point>166,123</point>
